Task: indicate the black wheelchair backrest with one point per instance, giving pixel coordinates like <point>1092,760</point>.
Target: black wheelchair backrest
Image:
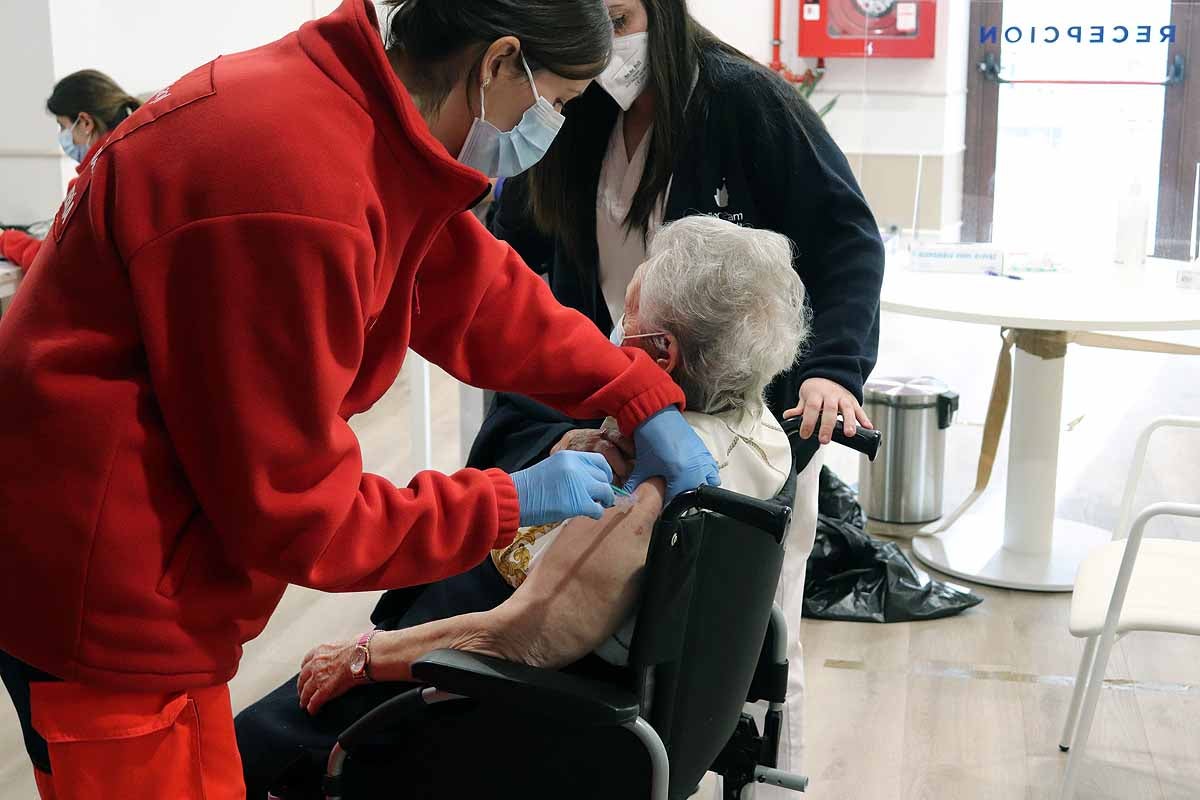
<point>714,562</point>
<point>711,574</point>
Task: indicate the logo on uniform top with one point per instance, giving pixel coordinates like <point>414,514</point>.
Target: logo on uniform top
<point>722,196</point>
<point>68,206</point>
<point>161,94</point>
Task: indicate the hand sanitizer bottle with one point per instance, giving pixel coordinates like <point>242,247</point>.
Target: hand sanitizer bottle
<point>1133,219</point>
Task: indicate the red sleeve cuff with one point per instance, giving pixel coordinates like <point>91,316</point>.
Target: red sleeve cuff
<point>649,403</point>
<point>507,507</point>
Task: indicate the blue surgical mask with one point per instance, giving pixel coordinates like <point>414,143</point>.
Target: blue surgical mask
<point>500,154</point>
<point>619,338</point>
<point>66,140</point>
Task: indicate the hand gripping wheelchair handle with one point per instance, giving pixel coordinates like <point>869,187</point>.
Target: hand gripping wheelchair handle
<point>864,441</point>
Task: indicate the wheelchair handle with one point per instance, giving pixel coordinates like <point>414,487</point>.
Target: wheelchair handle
<point>864,441</point>
<point>766,516</point>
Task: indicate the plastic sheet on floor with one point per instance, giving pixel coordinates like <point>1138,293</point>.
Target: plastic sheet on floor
<point>853,577</point>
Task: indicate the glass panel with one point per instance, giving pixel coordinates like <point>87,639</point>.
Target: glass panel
<point>1077,170</point>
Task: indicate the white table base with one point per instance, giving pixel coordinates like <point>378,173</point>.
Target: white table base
<point>420,411</point>
<point>1029,549</point>
<point>975,550</point>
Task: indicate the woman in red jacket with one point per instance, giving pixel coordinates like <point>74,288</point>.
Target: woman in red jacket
<point>88,106</point>
<point>176,378</point>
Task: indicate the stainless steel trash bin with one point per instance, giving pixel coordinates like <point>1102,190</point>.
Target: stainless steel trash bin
<point>904,484</point>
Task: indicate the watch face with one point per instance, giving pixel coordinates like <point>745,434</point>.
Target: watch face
<point>358,661</point>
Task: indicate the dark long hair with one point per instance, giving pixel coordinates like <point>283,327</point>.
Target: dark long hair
<point>562,186</point>
<point>95,93</point>
<point>444,39</point>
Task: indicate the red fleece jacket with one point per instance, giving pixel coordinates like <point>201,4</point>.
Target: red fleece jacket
<point>176,378</point>
<point>20,248</point>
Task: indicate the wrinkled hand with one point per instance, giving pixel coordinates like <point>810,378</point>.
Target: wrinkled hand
<point>565,485</point>
<point>822,398</point>
<point>667,447</point>
<point>325,675</point>
<point>616,449</point>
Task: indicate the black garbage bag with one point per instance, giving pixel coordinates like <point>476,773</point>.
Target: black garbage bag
<point>854,578</point>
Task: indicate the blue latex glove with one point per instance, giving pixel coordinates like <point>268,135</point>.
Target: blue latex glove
<point>565,485</point>
<point>667,447</point>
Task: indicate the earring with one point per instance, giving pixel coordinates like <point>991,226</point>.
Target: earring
<point>487,82</point>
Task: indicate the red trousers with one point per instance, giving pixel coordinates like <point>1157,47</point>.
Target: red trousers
<point>115,744</point>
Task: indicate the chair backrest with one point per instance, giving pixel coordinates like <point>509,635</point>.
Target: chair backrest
<point>711,575</point>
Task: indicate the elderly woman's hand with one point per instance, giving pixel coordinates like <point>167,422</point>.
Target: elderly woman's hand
<point>325,675</point>
<point>824,399</point>
<point>616,449</point>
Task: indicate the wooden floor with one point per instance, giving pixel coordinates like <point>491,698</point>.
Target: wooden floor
<point>956,709</point>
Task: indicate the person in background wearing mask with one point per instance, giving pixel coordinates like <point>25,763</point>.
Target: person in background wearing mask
<point>681,123</point>
<point>88,106</point>
<point>176,379</point>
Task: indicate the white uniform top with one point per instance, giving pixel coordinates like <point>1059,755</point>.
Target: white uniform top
<point>621,252</point>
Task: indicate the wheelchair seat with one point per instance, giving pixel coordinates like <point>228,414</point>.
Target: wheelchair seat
<point>708,639</point>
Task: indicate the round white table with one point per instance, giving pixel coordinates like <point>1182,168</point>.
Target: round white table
<point>1030,548</point>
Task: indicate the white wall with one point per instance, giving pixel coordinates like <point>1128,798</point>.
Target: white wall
<point>143,44</point>
<point>29,153</point>
<point>745,24</point>
<point>899,106</point>
<point>887,106</point>
<point>147,44</point>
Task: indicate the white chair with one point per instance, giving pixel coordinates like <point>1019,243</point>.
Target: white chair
<point>1113,598</point>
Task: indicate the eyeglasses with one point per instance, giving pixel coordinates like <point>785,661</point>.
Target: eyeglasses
<point>620,326</point>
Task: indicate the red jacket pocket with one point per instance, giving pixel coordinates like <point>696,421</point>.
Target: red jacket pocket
<point>72,712</point>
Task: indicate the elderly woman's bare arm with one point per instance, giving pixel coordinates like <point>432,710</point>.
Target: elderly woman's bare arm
<point>582,589</point>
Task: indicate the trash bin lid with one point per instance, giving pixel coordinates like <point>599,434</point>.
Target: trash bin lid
<point>905,392</point>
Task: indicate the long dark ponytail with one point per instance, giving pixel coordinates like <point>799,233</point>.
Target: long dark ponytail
<point>94,92</point>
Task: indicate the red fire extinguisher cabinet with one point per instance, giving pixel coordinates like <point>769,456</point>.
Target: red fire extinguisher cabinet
<point>868,28</point>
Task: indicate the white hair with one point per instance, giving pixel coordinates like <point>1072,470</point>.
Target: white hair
<point>734,303</point>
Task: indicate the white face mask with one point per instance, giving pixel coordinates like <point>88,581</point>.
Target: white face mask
<point>629,71</point>
<point>500,154</point>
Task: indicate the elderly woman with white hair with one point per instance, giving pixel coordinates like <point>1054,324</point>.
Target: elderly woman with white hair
<point>721,309</point>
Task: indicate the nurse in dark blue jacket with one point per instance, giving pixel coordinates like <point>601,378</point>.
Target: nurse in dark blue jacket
<point>682,124</point>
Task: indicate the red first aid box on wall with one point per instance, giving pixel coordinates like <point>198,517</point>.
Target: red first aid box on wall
<point>867,28</point>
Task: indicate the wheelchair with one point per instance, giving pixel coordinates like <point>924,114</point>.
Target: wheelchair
<point>708,640</point>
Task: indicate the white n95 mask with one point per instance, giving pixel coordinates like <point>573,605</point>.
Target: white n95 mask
<point>504,154</point>
<point>629,71</point>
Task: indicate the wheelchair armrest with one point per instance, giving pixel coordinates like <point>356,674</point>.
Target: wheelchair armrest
<point>565,698</point>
